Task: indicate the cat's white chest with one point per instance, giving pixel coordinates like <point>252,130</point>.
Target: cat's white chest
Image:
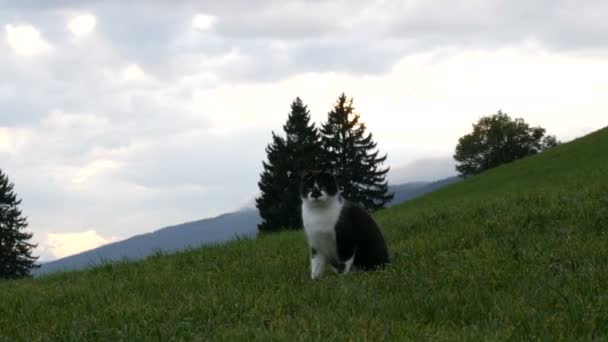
<point>319,225</point>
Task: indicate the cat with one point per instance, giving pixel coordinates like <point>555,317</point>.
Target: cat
<point>338,232</point>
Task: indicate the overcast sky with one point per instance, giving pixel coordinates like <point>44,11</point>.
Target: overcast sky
<point>121,117</point>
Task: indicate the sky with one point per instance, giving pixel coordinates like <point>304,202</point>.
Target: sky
<point>118,118</point>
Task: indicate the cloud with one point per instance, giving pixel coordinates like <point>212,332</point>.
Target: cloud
<point>285,19</point>
<point>133,73</point>
<point>203,22</point>
<point>427,101</point>
<point>6,143</point>
<point>26,40</point>
<point>61,120</point>
<point>82,25</point>
<point>277,39</point>
<point>59,245</point>
<point>94,168</point>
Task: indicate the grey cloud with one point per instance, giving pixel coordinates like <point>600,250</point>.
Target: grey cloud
<point>79,144</point>
<point>199,158</point>
<point>110,207</point>
<point>161,182</point>
<point>158,36</point>
<point>285,20</point>
<point>358,37</point>
<point>42,6</point>
<point>554,24</point>
<point>364,38</point>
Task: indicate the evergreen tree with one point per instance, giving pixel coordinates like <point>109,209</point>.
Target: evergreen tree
<point>273,184</point>
<point>353,157</point>
<point>16,258</point>
<point>279,203</point>
<point>303,139</point>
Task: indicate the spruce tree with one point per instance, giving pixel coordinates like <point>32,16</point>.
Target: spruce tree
<point>279,203</point>
<point>303,144</point>
<point>353,157</point>
<point>274,182</point>
<point>16,258</point>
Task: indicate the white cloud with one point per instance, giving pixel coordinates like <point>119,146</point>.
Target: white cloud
<point>59,119</point>
<point>82,25</point>
<point>279,53</point>
<point>203,22</point>
<point>12,139</point>
<point>26,40</point>
<point>5,141</point>
<point>83,174</point>
<point>133,73</point>
<point>427,101</point>
<point>60,245</point>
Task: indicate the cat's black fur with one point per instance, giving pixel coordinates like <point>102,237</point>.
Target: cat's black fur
<point>357,232</point>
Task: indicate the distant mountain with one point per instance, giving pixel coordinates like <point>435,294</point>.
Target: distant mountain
<point>422,170</point>
<point>170,239</point>
<point>409,191</point>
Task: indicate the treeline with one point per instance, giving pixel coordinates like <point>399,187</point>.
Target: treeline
<point>341,145</point>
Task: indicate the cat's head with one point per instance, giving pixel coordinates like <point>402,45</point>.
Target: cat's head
<point>318,187</point>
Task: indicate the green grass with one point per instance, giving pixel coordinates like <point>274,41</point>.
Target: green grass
<point>520,252</point>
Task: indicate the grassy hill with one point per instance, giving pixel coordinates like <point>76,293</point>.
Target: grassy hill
<point>520,252</point>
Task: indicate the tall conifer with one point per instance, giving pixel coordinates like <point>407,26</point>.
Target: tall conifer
<point>274,182</point>
<point>353,157</point>
<point>279,203</point>
<point>16,258</point>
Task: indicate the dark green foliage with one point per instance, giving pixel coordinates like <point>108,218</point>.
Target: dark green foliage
<point>279,202</point>
<point>302,138</point>
<point>16,258</point>
<point>343,148</point>
<point>273,184</point>
<point>518,253</point>
<point>496,140</point>
<point>353,157</point>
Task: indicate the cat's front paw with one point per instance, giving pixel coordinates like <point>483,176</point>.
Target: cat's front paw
<point>315,274</point>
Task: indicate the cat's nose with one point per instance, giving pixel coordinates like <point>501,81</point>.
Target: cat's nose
<point>315,193</point>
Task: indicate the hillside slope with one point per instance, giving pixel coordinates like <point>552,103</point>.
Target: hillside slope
<point>519,252</point>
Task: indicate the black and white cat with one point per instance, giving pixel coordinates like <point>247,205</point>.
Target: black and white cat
<point>338,232</point>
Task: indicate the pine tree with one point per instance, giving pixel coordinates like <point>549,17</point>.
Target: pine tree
<point>353,157</point>
<point>274,182</point>
<point>279,203</point>
<point>303,139</point>
<point>16,258</point>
